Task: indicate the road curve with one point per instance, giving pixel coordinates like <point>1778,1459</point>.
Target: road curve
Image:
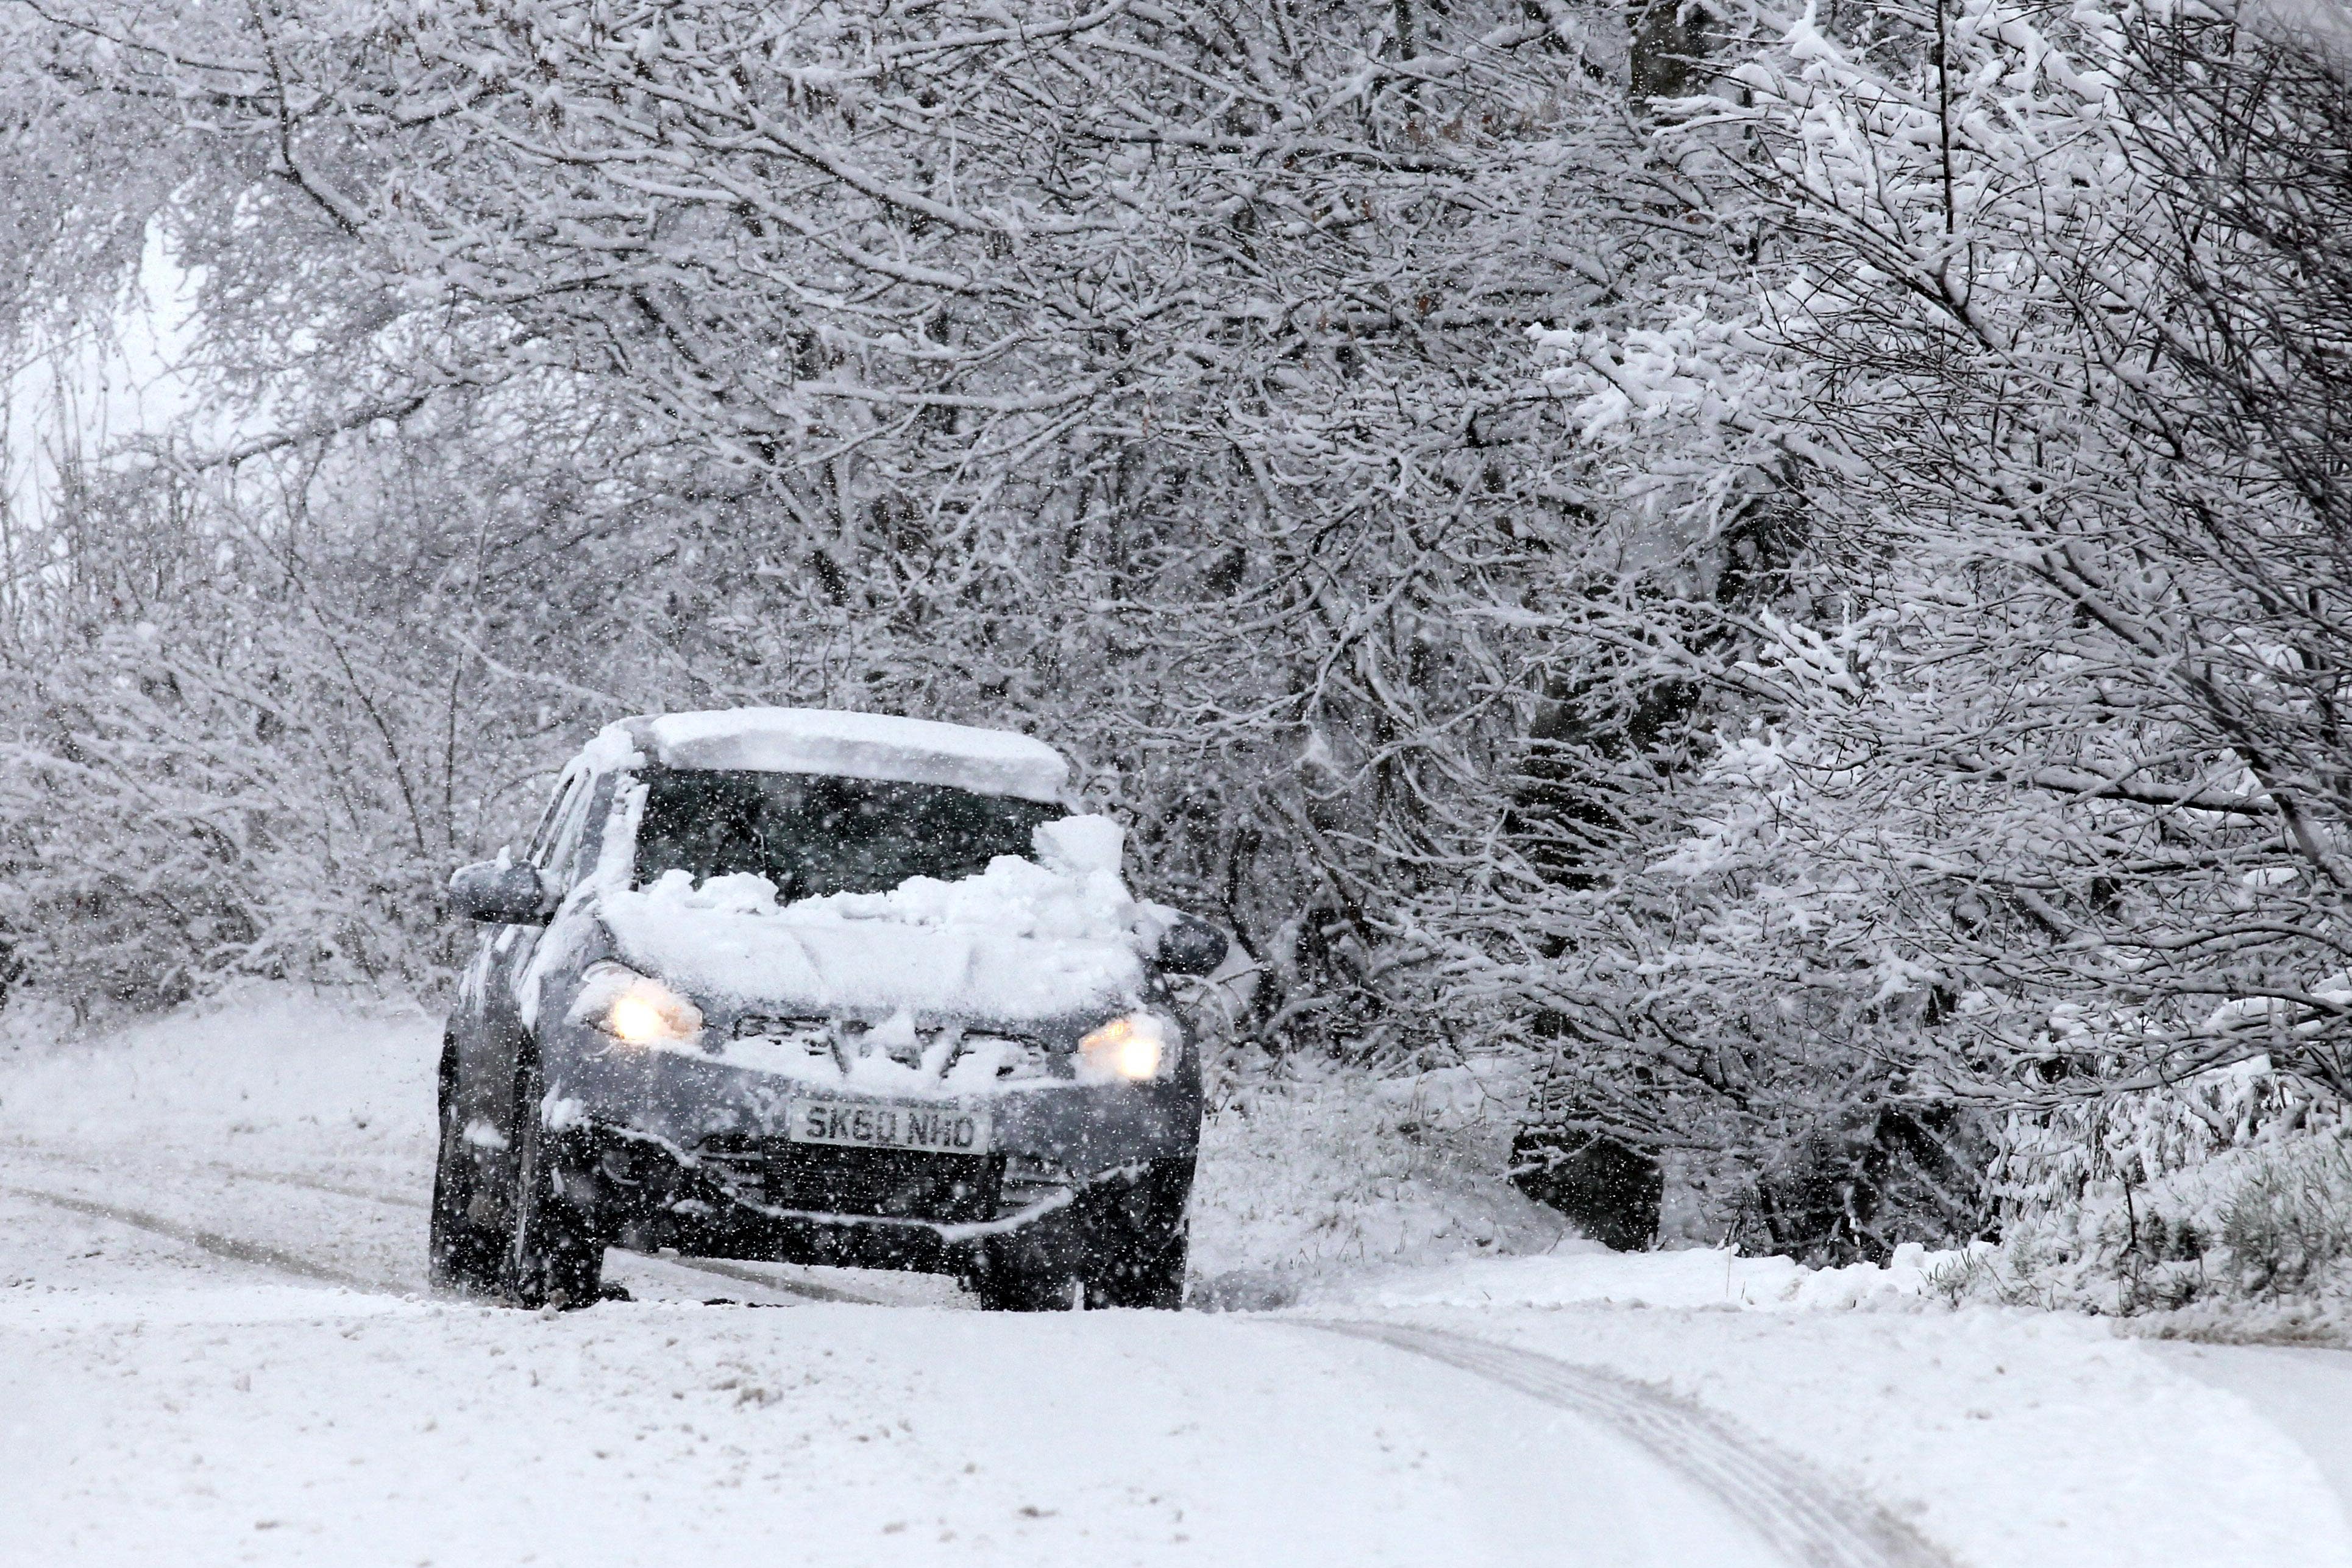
<point>1797,1514</point>
<point>1800,1515</point>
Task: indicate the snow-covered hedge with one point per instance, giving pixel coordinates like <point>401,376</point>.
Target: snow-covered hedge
<point>2224,1201</point>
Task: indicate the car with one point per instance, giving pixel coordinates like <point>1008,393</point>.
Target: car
<point>819,987</point>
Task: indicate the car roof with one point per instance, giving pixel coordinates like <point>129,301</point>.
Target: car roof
<point>839,745</point>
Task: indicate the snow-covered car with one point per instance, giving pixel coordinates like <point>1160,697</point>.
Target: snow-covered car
<point>819,987</point>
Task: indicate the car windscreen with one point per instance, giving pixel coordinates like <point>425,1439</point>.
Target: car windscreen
<point>813,835</point>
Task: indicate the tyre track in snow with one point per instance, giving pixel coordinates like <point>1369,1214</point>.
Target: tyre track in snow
<point>212,1241</point>
<point>712,1266</point>
<point>255,1253</point>
<point>1800,1515</point>
<point>1796,1512</point>
<point>92,1160</point>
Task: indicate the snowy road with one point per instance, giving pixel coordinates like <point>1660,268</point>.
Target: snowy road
<point>215,1348</point>
<point>183,1389</point>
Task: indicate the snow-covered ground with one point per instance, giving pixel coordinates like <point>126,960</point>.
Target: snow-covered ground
<point>215,1348</point>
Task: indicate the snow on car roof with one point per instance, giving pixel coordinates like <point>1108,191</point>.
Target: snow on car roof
<point>848,745</point>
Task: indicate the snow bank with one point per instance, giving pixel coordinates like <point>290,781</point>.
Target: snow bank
<point>848,745</point>
<point>2217,1207</point>
<point>1329,1190</point>
<point>1022,940</point>
<point>1314,1180</point>
<point>1579,1272</point>
<point>336,1078</point>
<point>1463,1095</point>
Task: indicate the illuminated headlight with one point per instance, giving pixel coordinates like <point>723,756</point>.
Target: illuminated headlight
<point>635,1010</point>
<point>1129,1050</point>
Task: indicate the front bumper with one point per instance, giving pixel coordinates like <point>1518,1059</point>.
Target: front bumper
<point>676,1152</point>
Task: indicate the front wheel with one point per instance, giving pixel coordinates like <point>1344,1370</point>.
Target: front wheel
<point>1149,1272</point>
<point>465,1244</point>
<point>1005,1284</point>
<point>1138,1239</point>
<point>1122,1244</point>
<point>555,1256</point>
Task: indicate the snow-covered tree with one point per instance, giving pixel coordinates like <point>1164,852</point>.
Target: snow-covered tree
<point>1152,379</point>
<point>2031,788</point>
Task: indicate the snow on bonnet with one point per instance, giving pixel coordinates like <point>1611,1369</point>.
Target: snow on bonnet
<point>1023,940</point>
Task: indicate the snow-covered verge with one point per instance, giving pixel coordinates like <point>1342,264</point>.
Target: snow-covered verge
<point>2220,1208</point>
<point>1579,1272</point>
<point>2253,1247</point>
<point>2220,1211</point>
<point>1320,1186</point>
<point>262,1077</point>
<point>1312,1176</point>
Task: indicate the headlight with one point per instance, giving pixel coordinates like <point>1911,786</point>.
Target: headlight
<point>1129,1050</point>
<point>635,1010</point>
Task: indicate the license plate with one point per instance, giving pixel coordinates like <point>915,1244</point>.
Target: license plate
<point>927,1129</point>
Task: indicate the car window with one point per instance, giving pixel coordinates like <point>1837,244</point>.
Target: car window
<point>587,839</point>
<point>812,835</point>
<point>563,842</point>
<point>541,835</point>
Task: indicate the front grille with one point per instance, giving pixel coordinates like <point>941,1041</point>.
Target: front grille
<point>952,1188</point>
<point>813,1036</point>
<point>1004,1056</point>
<point>1012,1056</point>
<point>949,1189</point>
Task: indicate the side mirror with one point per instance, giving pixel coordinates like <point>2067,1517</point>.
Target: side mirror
<point>1191,948</point>
<point>500,892</point>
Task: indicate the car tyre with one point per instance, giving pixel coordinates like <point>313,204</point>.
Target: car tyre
<point>1126,1247</point>
<point>1007,1284</point>
<point>554,1257</point>
<point>1137,1239</point>
<point>1147,1272</point>
<point>463,1255</point>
